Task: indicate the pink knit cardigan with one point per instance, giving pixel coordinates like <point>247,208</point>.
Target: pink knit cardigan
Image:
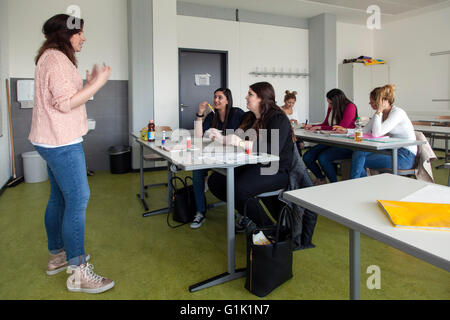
<point>56,81</point>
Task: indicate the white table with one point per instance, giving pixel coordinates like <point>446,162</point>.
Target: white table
<point>188,161</point>
<point>436,130</point>
<point>352,203</point>
<point>370,146</point>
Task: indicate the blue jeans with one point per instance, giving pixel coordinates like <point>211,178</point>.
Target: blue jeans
<point>65,216</point>
<point>362,160</point>
<point>325,155</point>
<point>198,180</point>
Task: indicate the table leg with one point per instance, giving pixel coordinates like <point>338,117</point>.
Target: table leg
<point>354,265</point>
<point>394,161</point>
<point>230,219</point>
<point>446,153</point>
<point>232,274</point>
<point>141,195</point>
<point>446,148</point>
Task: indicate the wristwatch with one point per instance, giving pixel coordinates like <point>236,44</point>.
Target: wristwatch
<point>242,144</point>
<point>200,116</point>
<point>379,113</point>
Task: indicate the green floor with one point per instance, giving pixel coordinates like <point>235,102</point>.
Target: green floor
<point>149,260</point>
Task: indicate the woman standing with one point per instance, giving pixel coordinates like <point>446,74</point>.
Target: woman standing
<point>250,180</point>
<point>224,117</point>
<point>58,125</point>
<point>341,112</point>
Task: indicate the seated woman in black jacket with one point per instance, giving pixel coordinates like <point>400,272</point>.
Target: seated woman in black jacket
<point>269,122</point>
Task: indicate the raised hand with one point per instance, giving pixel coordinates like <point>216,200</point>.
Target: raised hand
<point>91,76</point>
<point>202,107</point>
<point>103,74</point>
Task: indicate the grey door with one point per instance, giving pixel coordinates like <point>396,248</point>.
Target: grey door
<point>201,73</point>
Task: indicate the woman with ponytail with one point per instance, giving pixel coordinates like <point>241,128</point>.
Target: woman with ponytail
<point>387,120</point>
<point>289,102</point>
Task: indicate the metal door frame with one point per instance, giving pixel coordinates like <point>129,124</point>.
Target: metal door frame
<point>224,71</point>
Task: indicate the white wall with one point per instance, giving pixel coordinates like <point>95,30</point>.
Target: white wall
<point>353,41</point>
<point>105,30</point>
<point>406,45</point>
<point>5,158</point>
<point>165,63</point>
<point>252,46</point>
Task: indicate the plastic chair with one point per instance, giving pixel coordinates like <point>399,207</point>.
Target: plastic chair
<point>424,154</point>
<point>155,157</point>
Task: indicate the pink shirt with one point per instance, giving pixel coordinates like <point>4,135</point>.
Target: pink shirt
<point>56,82</point>
<point>348,119</point>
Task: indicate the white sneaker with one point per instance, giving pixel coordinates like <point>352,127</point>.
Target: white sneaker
<point>198,220</point>
<point>83,279</point>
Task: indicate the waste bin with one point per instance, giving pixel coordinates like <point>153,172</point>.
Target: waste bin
<point>34,167</point>
<point>120,159</point>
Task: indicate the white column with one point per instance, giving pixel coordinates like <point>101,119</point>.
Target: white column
<point>165,63</point>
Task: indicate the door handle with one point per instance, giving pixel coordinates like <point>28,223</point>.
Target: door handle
<point>184,106</point>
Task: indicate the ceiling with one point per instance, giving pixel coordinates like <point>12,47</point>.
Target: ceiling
<point>351,11</point>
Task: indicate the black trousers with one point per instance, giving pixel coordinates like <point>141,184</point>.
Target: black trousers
<point>248,183</point>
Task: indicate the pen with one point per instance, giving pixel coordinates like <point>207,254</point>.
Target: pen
<point>212,109</point>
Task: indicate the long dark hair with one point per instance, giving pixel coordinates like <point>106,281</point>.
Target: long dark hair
<point>58,30</point>
<point>268,106</point>
<point>339,102</point>
<point>229,96</point>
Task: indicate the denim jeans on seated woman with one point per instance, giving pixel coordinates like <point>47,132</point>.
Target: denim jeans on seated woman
<point>325,155</point>
<point>198,181</point>
<point>362,160</point>
<point>65,216</point>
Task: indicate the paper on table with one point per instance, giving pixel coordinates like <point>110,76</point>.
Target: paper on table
<point>177,148</point>
<point>430,194</point>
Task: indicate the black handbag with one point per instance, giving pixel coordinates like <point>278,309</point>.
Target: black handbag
<point>183,200</point>
<point>269,266</point>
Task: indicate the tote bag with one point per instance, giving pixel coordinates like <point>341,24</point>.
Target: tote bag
<point>269,266</point>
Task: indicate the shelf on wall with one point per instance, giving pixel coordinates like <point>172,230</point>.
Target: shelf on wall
<point>280,74</point>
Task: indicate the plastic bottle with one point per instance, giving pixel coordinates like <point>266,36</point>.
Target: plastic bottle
<point>163,140</point>
<point>358,130</point>
<point>151,131</point>
<point>188,143</point>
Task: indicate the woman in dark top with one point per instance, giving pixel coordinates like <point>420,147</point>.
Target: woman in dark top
<point>264,122</point>
<point>224,117</point>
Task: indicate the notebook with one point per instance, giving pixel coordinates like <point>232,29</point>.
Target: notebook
<point>427,209</point>
<point>417,215</point>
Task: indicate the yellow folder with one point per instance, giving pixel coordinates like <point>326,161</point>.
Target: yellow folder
<point>417,215</point>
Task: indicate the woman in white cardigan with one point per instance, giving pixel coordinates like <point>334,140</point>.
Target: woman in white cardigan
<point>388,120</point>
